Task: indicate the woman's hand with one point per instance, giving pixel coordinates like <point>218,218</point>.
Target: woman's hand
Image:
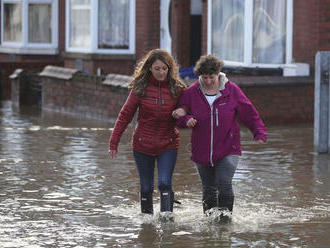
<point>191,122</point>
<point>260,141</point>
<point>179,112</point>
<point>113,153</point>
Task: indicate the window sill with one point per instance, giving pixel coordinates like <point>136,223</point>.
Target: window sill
<point>297,69</point>
<point>252,81</point>
<point>287,70</point>
<point>96,56</point>
<point>29,50</point>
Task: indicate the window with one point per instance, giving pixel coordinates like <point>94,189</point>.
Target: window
<point>40,27</point>
<point>12,20</point>
<point>251,32</point>
<point>29,26</point>
<point>101,26</point>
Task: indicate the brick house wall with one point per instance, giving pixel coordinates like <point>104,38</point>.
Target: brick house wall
<point>71,92</point>
<point>32,62</point>
<point>204,28</point>
<point>311,29</point>
<point>180,30</point>
<point>88,96</point>
<point>291,101</point>
<point>310,33</point>
<point>276,100</point>
<point>8,67</point>
<point>324,25</point>
<point>146,38</point>
<point>306,36</point>
<point>147,26</point>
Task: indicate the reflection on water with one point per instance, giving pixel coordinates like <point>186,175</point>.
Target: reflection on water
<point>58,188</point>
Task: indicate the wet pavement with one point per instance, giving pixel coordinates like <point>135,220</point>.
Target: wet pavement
<point>58,188</point>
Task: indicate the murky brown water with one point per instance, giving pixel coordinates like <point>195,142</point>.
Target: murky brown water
<point>58,188</point>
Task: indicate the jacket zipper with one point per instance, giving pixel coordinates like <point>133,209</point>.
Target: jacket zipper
<point>211,152</point>
<point>159,93</point>
<point>217,123</point>
<point>159,105</point>
<point>217,116</point>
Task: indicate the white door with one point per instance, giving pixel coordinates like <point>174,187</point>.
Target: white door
<point>165,36</point>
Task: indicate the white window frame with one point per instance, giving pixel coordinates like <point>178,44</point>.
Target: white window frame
<point>26,47</point>
<point>94,32</point>
<point>248,39</point>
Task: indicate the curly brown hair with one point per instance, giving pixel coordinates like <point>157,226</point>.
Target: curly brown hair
<point>208,64</point>
<point>142,73</point>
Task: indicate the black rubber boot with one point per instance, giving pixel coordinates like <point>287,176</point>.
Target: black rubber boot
<point>166,206</point>
<point>225,204</point>
<point>166,201</point>
<point>209,203</point>
<point>146,203</point>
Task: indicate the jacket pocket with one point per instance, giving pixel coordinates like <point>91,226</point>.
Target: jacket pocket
<point>235,140</point>
<point>144,143</point>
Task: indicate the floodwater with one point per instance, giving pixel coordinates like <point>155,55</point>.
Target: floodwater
<point>58,188</point>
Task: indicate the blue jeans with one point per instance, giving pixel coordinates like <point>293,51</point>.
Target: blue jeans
<point>146,166</point>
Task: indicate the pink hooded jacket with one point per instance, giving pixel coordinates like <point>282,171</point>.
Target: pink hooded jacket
<point>217,132</point>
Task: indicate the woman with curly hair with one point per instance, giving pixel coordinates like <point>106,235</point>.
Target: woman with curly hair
<point>155,90</point>
<point>211,107</point>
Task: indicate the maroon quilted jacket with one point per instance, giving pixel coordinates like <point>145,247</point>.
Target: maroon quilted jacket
<point>155,130</point>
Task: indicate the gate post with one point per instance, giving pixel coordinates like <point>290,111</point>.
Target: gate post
<point>322,103</point>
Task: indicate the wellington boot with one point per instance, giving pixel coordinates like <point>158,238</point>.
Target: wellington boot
<point>209,204</point>
<point>166,201</point>
<point>146,203</point>
<point>225,205</point>
<point>166,206</point>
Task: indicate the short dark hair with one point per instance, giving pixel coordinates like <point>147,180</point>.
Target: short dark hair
<point>208,64</point>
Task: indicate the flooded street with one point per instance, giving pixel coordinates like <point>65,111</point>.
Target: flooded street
<point>58,188</point>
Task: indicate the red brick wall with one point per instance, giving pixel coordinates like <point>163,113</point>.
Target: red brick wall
<point>83,96</point>
<point>180,30</point>
<point>124,66</point>
<point>61,25</point>
<point>8,67</point>
<point>279,99</point>
<point>311,32</point>
<point>86,96</point>
<point>283,104</point>
<point>324,25</point>
<point>311,29</point>
<point>204,28</point>
<point>305,30</point>
<point>147,26</point>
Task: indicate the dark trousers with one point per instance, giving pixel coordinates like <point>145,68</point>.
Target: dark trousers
<point>217,183</point>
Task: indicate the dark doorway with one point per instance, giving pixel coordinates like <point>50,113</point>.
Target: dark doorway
<point>195,30</point>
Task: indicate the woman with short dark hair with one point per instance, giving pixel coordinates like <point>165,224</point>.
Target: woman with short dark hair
<point>210,106</point>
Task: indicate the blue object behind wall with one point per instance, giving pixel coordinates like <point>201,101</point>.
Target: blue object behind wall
<point>186,73</point>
